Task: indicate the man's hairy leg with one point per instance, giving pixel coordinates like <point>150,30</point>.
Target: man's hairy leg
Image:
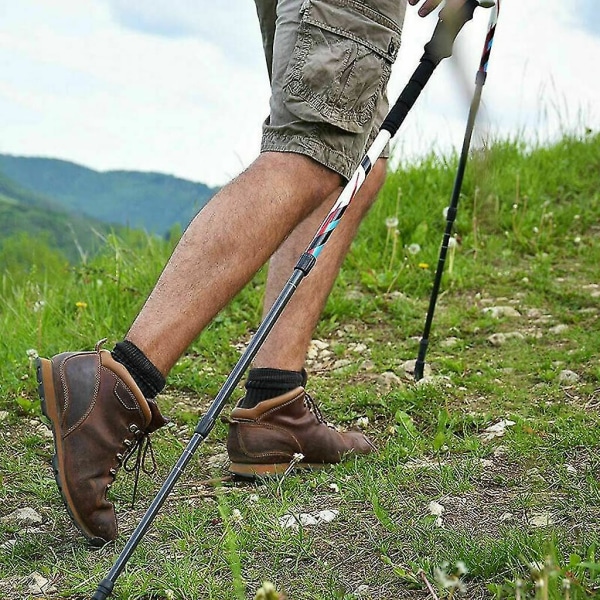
<point>286,346</point>
<point>224,246</point>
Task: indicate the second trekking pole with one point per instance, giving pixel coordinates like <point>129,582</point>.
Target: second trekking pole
<point>452,208</point>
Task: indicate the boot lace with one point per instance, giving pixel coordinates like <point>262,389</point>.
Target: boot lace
<point>315,410</point>
<point>141,448</point>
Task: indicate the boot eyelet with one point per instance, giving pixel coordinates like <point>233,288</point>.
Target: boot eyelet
<point>113,472</point>
<point>120,457</point>
<point>127,443</point>
<point>134,428</point>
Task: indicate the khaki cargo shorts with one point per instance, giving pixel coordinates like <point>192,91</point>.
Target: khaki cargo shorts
<point>329,63</point>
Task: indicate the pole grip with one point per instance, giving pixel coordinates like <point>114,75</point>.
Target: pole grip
<point>437,48</point>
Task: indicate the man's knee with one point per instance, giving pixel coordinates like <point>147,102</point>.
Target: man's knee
<point>316,180</point>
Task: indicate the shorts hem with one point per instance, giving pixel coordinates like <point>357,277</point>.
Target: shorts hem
<point>311,147</point>
<point>317,150</point>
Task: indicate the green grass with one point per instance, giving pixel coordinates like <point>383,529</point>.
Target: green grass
<point>521,511</point>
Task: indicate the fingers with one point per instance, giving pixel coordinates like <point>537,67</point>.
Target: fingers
<point>427,6</point>
<point>430,5</point>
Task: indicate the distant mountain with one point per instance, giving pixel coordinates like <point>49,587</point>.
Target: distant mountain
<point>150,201</point>
<point>24,212</point>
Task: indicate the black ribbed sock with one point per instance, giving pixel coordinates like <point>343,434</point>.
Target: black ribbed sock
<point>264,384</point>
<point>149,379</point>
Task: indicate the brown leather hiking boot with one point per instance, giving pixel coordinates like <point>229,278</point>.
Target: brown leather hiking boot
<point>263,440</point>
<point>99,417</point>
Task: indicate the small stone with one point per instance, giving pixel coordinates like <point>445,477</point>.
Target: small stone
<point>507,516</point>
<point>218,461</point>
<point>567,376</point>
<point>8,545</point>
<point>570,469</point>
<point>24,517</point>
<point>435,381</point>
<point>319,344</point>
<point>594,289</point>
<point>496,430</point>
<point>341,364</point>
<point>558,329</point>
<point>44,432</point>
<point>326,516</point>
<point>409,368</point>
<point>497,312</point>
<point>389,379</point>
<point>294,521</point>
<point>38,585</point>
<point>499,339</point>
<point>362,590</point>
<point>3,415</point>
<point>362,422</point>
<point>541,519</point>
<point>435,508</point>
<point>354,295</point>
<point>449,342</point>
<point>367,365</point>
<point>358,348</point>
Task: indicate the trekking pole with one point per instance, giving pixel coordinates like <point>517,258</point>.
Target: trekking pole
<point>452,208</point>
<point>438,48</point>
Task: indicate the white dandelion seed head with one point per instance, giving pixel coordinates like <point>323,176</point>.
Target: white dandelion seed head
<point>236,515</point>
<point>32,353</point>
<point>39,305</point>
<point>414,249</point>
<point>391,222</point>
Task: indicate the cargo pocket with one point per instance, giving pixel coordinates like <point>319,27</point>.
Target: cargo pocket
<point>341,63</point>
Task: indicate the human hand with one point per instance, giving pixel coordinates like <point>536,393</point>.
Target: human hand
<point>430,5</point>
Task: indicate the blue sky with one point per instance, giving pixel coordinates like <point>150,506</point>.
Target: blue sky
<point>180,86</point>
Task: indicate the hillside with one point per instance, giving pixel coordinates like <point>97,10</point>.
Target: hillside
<point>151,201</point>
<point>24,212</point>
<point>486,481</point>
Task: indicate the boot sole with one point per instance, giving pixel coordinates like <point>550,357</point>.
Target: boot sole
<point>259,471</point>
<point>47,396</point>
